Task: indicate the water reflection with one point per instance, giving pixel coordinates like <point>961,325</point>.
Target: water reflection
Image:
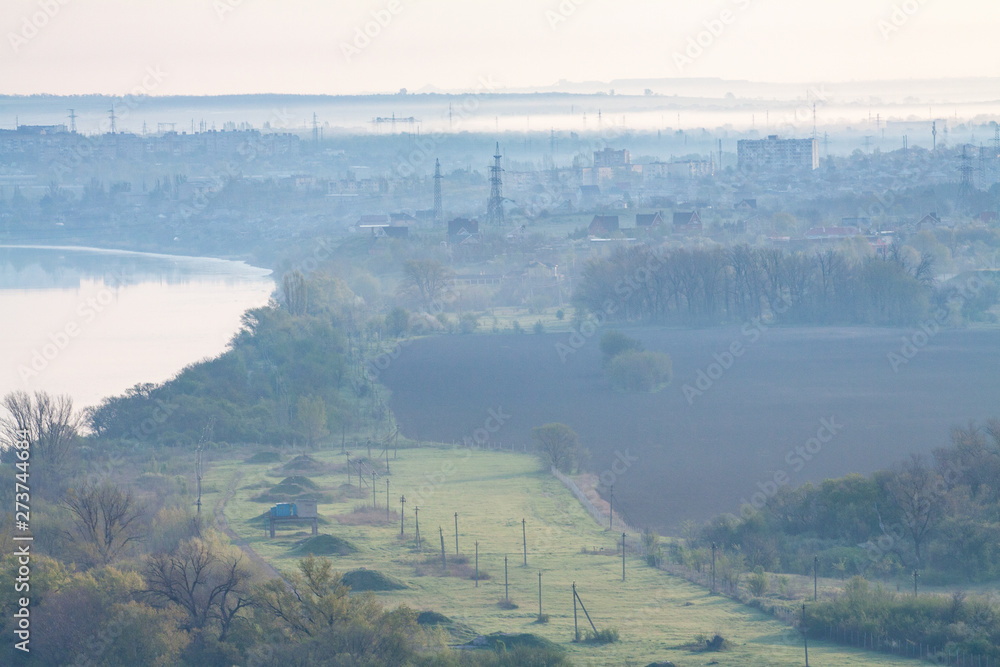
<point>91,322</point>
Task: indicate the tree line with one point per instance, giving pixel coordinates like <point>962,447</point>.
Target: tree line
<point>711,286</point>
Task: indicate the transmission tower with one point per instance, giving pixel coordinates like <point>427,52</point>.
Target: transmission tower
<point>112,116</point>
<point>315,129</point>
<point>438,208</point>
<point>72,121</point>
<point>967,188</point>
<point>494,210</point>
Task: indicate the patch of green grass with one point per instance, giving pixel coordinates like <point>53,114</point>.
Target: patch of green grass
<point>656,614</point>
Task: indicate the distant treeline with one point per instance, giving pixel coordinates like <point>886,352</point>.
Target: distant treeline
<point>729,285</point>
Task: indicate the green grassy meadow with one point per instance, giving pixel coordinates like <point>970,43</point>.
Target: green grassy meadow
<point>658,616</point>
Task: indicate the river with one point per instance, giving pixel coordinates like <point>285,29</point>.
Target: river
<point>91,323</point>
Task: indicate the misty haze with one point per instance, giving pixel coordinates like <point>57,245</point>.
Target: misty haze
<point>500,334</point>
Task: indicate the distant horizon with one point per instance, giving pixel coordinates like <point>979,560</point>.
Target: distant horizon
<point>380,46</point>
<point>598,88</point>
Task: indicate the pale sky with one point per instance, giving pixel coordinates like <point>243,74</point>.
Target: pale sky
<point>312,46</point>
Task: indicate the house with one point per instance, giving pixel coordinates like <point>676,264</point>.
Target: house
<point>402,218</point>
<point>687,222</point>
<point>860,223</point>
<point>379,219</point>
<point>383,230</point>
<point>463,230</point>
<point>832,233</point>
<point>746,205</point>
<point>602,225</point>
<point>587,195</point>
<point>929,221</point>
<point>397,231</point>
<point>648,220</point>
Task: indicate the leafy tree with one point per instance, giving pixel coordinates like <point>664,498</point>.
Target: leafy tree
<point>397,322</point>
<point>311,414</point>
<point>295,293</point>
<point>558,446</point>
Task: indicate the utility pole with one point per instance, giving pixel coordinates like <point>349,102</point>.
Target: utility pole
<point>524,539</point>
<point>387,500</point>
<point>805,633</point>
<point>477,563</point>
<point>623,556</point>
<point>506,590</point>
<point>611,510</point>
<point>539,596</point>
<point>444,564</point>
<point>815,578</point>
<point>456,533</point>
<point>198,475</point>
<point>915,575</point>
<point>713,567</point>
<point>374,502</point>
<point>438,205</point>
<point>416,516</point>
<point>576,626</point>
<point>402,513</point>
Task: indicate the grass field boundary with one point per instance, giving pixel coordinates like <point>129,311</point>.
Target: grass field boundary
<point>599,517</point>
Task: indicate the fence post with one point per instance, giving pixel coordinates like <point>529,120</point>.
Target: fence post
<point>506,595</point>
<point>539,597</point>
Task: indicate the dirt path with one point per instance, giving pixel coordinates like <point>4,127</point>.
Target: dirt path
<point>220,520</point>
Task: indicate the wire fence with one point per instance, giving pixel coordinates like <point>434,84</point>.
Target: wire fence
<point>733,589</point>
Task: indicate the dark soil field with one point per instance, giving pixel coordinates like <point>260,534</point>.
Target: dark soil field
<point>674,456</point>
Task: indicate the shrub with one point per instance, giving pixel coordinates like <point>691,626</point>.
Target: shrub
<point>640,371</point>
<point>615,342</point>
<point>758,582</point>
<point>468,323</point>
<point>607,636</point>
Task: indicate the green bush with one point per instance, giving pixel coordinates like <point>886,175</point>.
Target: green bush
<point>615,342</point>
<point>640,371</point>
<point>758,582</point>
<point>607,636</point>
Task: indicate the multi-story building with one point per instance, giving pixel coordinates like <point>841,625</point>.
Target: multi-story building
<point>777,154</point>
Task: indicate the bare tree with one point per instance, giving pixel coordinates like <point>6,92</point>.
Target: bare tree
<point>426,278</point>
<point>207,586</point>
<point>52,429</point>
<point>919,496</point>
<point>105,520</point>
